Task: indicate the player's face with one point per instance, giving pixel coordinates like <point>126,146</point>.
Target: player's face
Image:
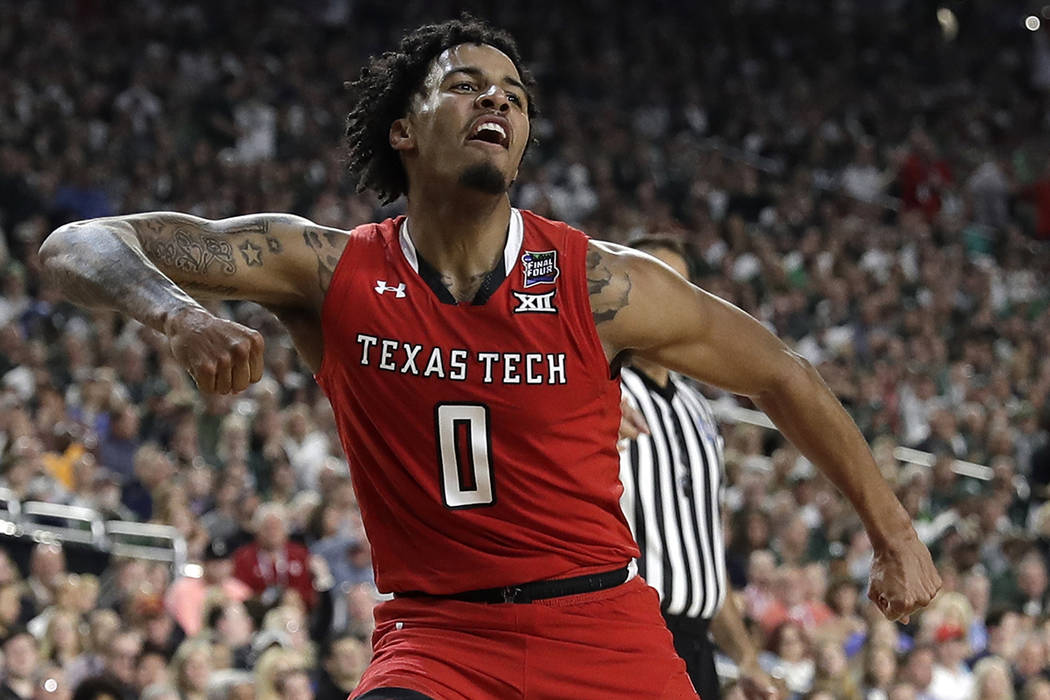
<point>470,122</point>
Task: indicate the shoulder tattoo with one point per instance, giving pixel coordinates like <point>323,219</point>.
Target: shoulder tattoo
<point>609,288</point>
<point>326,245</point>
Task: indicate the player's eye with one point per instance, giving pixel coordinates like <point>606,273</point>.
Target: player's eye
<point>463,86</point>
<point>511,97</point>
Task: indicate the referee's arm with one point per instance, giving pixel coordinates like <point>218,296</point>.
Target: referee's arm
<point>730,634</point>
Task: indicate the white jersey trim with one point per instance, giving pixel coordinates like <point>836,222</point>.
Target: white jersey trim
<point>515,236</point>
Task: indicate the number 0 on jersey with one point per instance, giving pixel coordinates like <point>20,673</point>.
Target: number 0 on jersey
<point>464,445</point>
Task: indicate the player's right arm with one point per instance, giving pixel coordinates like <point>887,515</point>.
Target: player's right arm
<point>152,267</point>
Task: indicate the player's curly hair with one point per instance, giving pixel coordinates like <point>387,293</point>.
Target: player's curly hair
<point>388,82</point>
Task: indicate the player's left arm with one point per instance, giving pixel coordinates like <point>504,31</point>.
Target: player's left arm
<point>641,306</point>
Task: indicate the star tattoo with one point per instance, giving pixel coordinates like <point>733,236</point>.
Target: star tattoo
<point>252,253</point>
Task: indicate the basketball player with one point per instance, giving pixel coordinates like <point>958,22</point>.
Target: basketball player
<point>470,352</point>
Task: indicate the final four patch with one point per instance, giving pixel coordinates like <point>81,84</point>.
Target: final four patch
<point>539,267</point>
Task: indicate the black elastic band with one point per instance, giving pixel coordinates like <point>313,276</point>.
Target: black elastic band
<point>536,590</point>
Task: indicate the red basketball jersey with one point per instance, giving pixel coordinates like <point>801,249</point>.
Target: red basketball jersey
<point>481,436</point>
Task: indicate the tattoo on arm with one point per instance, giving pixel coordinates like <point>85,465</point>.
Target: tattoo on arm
<point>185,244</point>
<point>609,290</point>
<point>326,246</point>
<point>191,251</point>
<point>148,265</point>
<point>251,253</point>
<point>99,268</point>
<point>162,225</point>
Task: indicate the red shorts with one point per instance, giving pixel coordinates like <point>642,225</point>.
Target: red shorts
<point>604,645</point>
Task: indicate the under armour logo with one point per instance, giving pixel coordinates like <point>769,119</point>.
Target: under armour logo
<point>399,290</point>
<point>535,303</point>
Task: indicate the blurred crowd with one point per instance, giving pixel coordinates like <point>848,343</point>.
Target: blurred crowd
<point>868,179</point>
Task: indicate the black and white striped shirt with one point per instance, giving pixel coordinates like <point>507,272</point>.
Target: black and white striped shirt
<point>672,481</point>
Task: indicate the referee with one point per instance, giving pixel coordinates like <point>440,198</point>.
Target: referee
<point>672,480</point>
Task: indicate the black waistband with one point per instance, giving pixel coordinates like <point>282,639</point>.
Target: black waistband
<point>695,626</point>
<point>536,590</point>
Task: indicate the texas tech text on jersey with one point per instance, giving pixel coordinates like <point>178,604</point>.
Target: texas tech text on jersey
<point>458,364</point>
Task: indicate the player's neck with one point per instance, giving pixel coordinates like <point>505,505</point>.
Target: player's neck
<point>659,375</point>
<point>459,236</point>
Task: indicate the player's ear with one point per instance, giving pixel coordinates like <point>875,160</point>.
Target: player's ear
<point>401,135</point>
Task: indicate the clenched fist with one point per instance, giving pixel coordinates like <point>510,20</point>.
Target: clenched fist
<point>221,356</point>
<point>903,578</point>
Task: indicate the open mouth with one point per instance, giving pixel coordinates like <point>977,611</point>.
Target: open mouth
<point>490,132</point>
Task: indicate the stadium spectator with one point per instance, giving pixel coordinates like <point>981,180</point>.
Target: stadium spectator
<point>833,675</point>
<point>191,665</point>
<point>918,671</point>
<point>220,521</point>
<point>102,625</point>
<point>158,628</point>
<point>879,672</point>
<point>151,668</point>
<point>1032,586</point>
<point>951,677</point>
<point>977,590</point>
<point>20,660</point>
<point>342,662</point>
<point>61,642</point>
<point>1030,662</point>
<point>121,655</point>
<point>233,629</point>
<point>152,468</point>
<point>117,449</point>
<point>272,564</point>
<point>187,597</point>
<point>346,553</point>
<point>992,679</point>
<point>305,446</point>
<point>790,657</point>
<point>13,608</point>
<point>294,684</point>
<point>271,665</point>
<point>47,571</point>
<point>924,175</point>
